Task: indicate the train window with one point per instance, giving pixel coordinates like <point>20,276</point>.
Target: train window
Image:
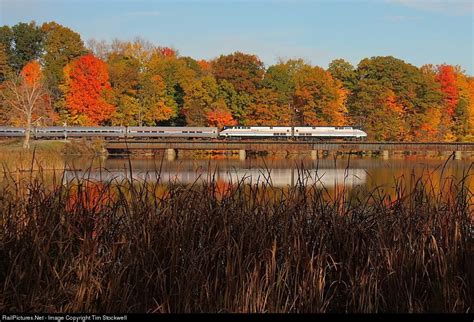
<point>161,131</point>
<point>271,127</point>
<point>198,131</point>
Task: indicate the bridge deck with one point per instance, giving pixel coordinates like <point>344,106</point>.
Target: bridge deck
<point>262,145</point>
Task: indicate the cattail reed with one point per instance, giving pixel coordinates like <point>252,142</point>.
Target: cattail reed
<point>138,246</point>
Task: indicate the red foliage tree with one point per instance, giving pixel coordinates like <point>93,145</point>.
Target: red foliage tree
<point>447,78</point>
<point>167,52</point>
<point>87,87</point>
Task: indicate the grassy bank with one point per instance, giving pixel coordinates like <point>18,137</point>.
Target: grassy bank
<point>48,154</point>
<point>140,247</point>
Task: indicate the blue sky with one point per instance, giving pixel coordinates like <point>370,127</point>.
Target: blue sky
<point>417,31</point>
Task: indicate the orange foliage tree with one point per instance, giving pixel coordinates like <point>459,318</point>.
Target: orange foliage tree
<point>204,64</point>
<point>87,91</point>
<point>266,110</point>
<point>318,98</point>
<point>220,115</point>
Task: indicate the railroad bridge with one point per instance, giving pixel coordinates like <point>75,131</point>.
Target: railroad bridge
<point>243,146</point>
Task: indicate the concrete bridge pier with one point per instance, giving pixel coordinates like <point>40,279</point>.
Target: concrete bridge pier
<point>170,154</point>
<point>242,154</point>
<point>385,155</point>
<point>457,155</point>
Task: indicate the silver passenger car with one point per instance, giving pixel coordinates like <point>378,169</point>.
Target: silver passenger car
<point>328,132</point>
<point>9,131</point>
<point>80,131</point>
<point>171,131</point>
<point>256,131</point>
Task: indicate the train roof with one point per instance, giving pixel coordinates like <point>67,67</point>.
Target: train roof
<point>182,128</point>
<point>79,127</point>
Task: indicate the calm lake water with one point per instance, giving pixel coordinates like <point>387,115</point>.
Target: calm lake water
<point>363,173</point>
<point>355,172</point>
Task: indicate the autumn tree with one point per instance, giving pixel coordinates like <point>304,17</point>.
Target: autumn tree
<point>124,76</point>
<point>27,98</point>
<point>381,115</point>
<point>237,103</point>
<point>139,48</point>
<point>23,43</point>
<point>245,72</point>
<point>5,68</point>
<point>99,48</point>
<point>219,115</point>
<point>166,51</point>
<point>177,77</point>
<point>415,91</point>
<point>470,113</point>
<point>343,71</point>
<point>5,72</point>
<point>281,79</point>
<point>318,98</point>
<point>88,91</point>
<point>199,99</point>
<point>446,76</point>
<point>61,46</point>
<point>155,104</point>
<point>266,109</point>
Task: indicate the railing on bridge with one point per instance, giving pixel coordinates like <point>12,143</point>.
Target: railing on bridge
<point>267,145</point>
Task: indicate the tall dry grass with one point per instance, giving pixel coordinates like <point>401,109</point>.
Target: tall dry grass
<point>133,246</point>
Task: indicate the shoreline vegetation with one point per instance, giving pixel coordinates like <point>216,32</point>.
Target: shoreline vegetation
<point>138,246</point>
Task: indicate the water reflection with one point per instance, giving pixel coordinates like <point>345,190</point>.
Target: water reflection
<point>275,177</point>
<point>363,172</point>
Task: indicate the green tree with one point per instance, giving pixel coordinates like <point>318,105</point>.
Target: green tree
<point>237,103</point>
<point>23,43</point>
<point>199,100</point>
<point>61,46</point>
<point>5,73</point>
<point>125,79</point>
<point>128,111</point>
<point>343,71</point>
<point>177,77</point>
<point>281,78</point>
<point>155,104</point>
<point>5,68</point>
<point>377,111</point>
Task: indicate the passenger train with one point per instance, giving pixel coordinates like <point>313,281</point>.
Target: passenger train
<point>229,132</point>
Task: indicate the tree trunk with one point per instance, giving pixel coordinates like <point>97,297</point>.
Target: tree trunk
<point>26,143</point>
